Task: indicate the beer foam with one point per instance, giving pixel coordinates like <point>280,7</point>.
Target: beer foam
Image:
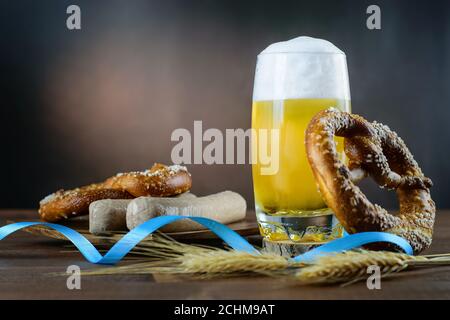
<point>303,67</point>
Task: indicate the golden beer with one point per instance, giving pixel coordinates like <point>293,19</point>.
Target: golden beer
<point>292,191</point>
<point>293,82</point>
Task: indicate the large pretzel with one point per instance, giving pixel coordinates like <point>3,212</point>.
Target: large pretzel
<point>372,149</point>
<point>159,181</point>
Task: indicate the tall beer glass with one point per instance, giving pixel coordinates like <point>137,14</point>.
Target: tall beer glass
<point>294,80</point>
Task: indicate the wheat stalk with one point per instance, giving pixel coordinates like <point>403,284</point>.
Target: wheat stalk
<point>207,262</point>
<point>165,255</point>
<point>170,256</point>
<point>352,266</point>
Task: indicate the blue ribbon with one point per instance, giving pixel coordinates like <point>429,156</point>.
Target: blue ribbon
<point>353,241</point>
<point>230,237</point>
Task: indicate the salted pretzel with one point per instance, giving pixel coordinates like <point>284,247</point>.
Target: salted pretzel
<point>372,150</point>
<point>159,181</point>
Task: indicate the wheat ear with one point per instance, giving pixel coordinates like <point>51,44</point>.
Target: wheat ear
<point>352,266</point>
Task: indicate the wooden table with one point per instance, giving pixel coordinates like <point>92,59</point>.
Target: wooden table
<point>26,262</point>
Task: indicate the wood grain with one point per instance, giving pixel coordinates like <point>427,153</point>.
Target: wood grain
<point>26,262</point>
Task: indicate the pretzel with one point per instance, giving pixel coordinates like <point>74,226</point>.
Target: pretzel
<point>372,150</point>
<point>159,181</point>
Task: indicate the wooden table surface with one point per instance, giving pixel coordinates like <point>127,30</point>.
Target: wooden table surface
<point>27,261</point>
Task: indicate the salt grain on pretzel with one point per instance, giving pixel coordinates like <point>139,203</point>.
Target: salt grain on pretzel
<point>372,149</point>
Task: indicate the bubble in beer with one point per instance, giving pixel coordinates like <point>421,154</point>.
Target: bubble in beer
<point>303,67</point>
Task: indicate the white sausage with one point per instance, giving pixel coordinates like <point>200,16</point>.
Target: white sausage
<point>225,207</point>
<point>110,214</point>
<point>107,215</point>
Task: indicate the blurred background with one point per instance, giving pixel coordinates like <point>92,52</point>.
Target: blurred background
<point>79,106</point>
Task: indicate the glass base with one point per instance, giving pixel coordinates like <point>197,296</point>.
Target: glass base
<point>288,249</point>
<point>316,226</point>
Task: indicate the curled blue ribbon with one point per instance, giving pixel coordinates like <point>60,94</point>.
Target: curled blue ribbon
<point>230,237</point>
<point>353,241</point>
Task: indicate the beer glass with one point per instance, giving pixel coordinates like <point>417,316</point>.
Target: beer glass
<point>294,80</point>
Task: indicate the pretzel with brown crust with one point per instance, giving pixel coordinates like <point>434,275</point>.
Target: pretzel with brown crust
<point>372,149</point>
<point>159,181</point>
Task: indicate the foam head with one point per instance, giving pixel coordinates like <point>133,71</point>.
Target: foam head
<point>303,67</point>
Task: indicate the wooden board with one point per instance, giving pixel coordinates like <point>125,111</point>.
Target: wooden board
<point>246,227</point>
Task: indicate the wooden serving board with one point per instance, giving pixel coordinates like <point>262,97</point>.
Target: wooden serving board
<point>246,227</point>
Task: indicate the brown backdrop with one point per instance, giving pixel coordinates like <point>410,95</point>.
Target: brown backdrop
<point>78,106</point>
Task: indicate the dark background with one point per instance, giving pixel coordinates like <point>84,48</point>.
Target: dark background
<point>79,106</point>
